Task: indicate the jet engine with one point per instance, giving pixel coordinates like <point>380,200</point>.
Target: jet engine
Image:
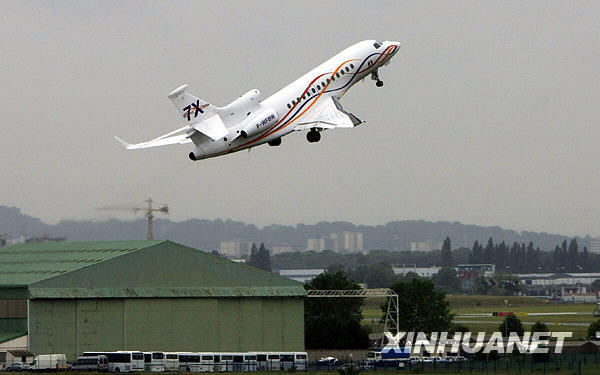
<point>259,123</point>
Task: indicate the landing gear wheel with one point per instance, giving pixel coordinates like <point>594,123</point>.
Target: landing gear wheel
<point>313,136</point>
<point>275,142</point>
<point>379,83</point>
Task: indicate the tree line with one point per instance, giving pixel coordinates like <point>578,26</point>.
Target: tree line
<point>514,258</point>
<point>521,258</point>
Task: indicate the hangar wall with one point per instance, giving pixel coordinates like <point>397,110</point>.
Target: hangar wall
<point>72,326</point>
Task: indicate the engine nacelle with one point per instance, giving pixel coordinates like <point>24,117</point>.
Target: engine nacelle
<point>259,123</point>
<point>249,100</point>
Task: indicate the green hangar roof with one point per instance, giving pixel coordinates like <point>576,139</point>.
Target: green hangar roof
<point>122,269</point>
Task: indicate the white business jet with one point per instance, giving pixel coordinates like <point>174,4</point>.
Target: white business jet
<point>309,103</point>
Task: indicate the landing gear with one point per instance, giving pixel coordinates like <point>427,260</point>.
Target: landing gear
<point>275,142</point>
<point>375,77</point>
<point>313,136</point>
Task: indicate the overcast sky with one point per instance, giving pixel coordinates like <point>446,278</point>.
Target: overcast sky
<point>489,114</point>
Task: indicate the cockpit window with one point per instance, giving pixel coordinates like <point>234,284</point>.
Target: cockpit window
<point>377,44</point>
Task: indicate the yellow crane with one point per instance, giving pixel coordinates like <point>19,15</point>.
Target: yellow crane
<point>149,212</point>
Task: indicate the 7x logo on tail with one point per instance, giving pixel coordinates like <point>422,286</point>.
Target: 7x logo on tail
<point>195,107</point>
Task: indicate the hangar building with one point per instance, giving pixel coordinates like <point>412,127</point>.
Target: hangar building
<point>70,297</point>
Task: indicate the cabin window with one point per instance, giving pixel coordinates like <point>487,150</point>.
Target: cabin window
<point>303,96</point>
<point>376,44</point>
<point>323,84</point>
<point>293,102</point>
<point>327,80</point>
<point>308,93</point>
<point>337,75</point>
<point>341,71</point>
<point>318,87</point>
<point>347,69</point>
<point>313,90</point>
<point>352,66</point>
<point>332,78</point>
<point>298,99</point>
<point>289,105</point>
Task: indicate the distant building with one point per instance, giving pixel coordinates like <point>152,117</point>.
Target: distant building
<point>427,245</point>
<point>7,239</point>
<point>71,297</point>
<point>301,275</point>
<point>595,246</point>
<point>468,273</point>
<point>350,242</point>
<point>319,244</point>
<point>285,248</point>
<point>235,249</point>
<point>552,284</point>
<point>403,269</point>
<point>577,294</point>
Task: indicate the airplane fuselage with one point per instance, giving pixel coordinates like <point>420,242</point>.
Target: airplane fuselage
<point>277,115</point>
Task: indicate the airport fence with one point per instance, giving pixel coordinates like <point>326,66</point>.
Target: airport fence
<point>573,364</point>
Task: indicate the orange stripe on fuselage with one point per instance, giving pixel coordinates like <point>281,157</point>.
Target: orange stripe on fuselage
<point>292,109</point>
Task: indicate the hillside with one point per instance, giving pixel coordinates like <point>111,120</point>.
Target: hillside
<point>208,234</point>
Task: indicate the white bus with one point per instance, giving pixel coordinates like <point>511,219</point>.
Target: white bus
<point>267,361</point>
<point>200,362</point>
<point>121,361</point>
<point>293,360</point>
<point>171,362</point>
<point>93,363</point>
<point>189,362</point>
<point>238,362</point>
<point>154,361</point>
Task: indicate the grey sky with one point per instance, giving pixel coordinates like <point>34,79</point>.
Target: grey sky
<point>489,114</point>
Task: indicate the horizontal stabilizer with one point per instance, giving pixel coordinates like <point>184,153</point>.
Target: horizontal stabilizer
<point>160,141</point>
<point>212,127</point>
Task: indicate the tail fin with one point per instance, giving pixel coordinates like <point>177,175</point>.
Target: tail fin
<point>191,108</point>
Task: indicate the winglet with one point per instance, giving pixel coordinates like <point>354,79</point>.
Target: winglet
<point>177,91</point>
<point>123,143</point>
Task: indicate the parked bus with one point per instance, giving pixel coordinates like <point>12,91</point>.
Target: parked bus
<point>267,361</point>
<point>238,362</point>
<point>293,360</point>
<point>121,361</point>
<point>154,361</point>
<point>201,362</point>
<point>92,363</point>
<point>171,362</point>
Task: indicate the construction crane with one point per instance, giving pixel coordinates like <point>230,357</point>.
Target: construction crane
<point>149,212</point>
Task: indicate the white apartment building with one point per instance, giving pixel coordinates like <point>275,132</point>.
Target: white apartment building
<point>351,242</point>
<point>235,249</point>
<point>427,245</point>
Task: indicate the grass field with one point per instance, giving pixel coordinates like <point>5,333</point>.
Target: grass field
<point>460,304</point>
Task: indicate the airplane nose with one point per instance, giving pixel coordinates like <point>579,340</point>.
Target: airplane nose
<point>395,46</point>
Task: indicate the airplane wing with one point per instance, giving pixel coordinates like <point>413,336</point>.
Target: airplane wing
<point>167,139</point>
<point>212,127</point>
<point>328,115</point>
